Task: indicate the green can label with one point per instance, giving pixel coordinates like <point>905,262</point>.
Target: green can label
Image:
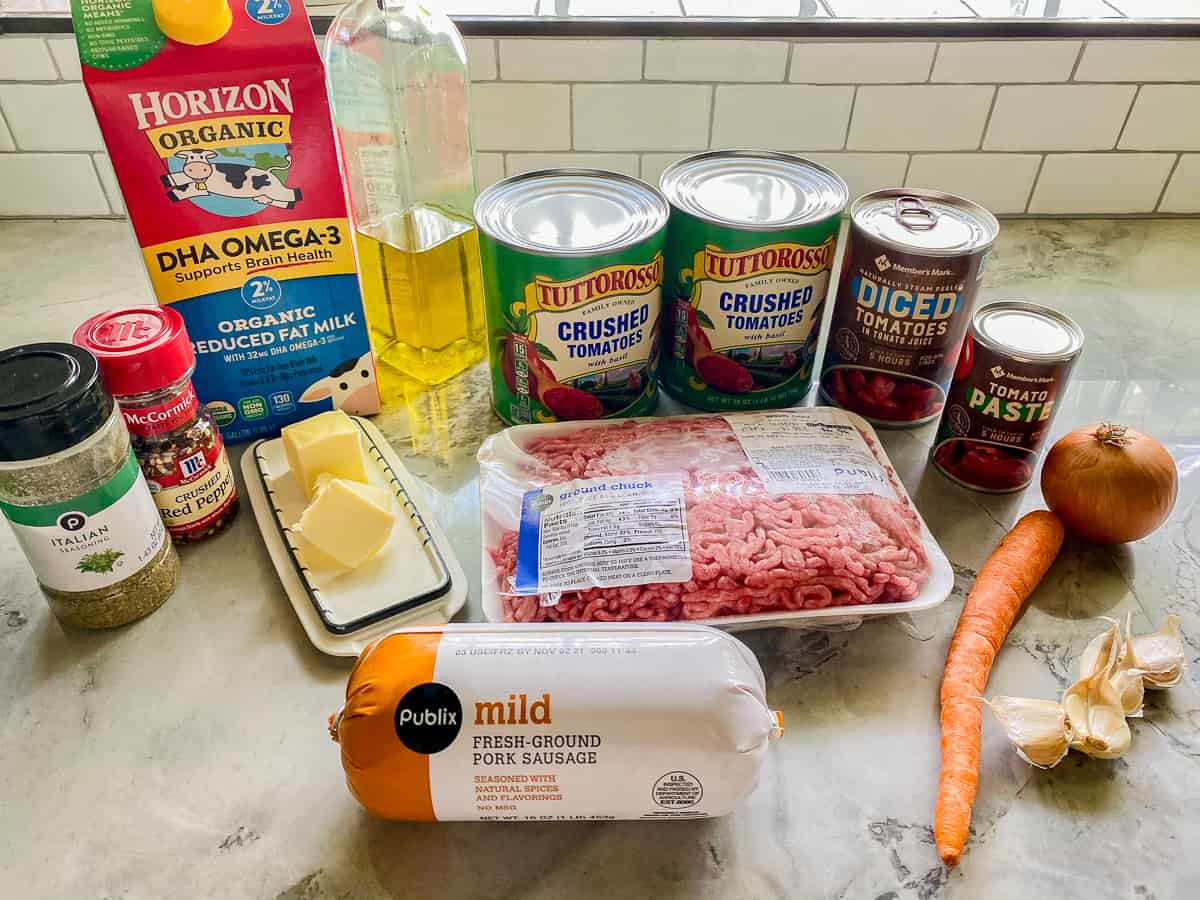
<point>744,312</point>
<point>573,337</point>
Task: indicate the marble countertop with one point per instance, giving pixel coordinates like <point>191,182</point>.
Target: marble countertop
<point>186,755</point>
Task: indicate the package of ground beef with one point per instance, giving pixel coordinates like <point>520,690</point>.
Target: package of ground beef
<point>780,517</point>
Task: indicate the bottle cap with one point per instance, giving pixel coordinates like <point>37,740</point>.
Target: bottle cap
<point>51,398</point>
<point>140,348</point>
<point>193,22</point>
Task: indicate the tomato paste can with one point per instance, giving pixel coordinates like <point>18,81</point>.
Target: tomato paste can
<point>912,264</point>
<point>750,251</point>
<point>1009,381</point>
<point>572,275</point>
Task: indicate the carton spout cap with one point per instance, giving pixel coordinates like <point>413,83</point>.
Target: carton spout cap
<point>193,22</point>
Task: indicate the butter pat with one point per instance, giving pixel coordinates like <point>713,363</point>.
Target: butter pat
<point>326,443</point>
<point>347,522</point>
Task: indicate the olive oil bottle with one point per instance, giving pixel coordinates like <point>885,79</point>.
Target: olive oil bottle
<point>397,74</point>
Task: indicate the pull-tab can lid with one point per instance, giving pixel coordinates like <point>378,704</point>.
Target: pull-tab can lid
<point>926,222</point>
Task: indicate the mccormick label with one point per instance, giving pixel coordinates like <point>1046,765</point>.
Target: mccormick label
<point>145,421</point>
<point>575,346</point>
<point>224,153</point>
<point>745,313</point>
<point>998,415</point>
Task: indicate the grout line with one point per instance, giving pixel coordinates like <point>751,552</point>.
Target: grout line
<point>645,53</point>
<point>987,122</point>
<point>789,62</point>
<point>907,167</point>
<point>1083,45</point>
<point>1120,12</point>
<point>496,50</point>
<point>828,10</point>
<point>1166,184</point>
<point>705,81</point>
<point>1037,176</point>
<point>1128,114</point>
<point>850,119</point>
<point>100,181</point>
<point>571,116</point>
<point>712,116</point>
<point>937,48</point>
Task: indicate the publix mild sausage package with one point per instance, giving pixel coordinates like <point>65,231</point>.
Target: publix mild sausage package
<point>781,517</point>
<point>216,119</point>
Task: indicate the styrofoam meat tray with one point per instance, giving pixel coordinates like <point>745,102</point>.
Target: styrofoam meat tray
<point>414,580</point>
<point>500,498</point>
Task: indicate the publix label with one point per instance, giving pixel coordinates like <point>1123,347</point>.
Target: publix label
<point>94,540</point>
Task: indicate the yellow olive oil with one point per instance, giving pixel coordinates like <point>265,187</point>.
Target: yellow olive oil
<point>423,294</point>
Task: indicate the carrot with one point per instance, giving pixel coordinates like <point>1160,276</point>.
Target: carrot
<point>1005,581</point>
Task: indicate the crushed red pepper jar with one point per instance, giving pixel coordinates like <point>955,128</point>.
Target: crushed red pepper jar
<point>147,361</point>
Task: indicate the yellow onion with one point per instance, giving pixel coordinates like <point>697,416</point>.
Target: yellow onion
<point>1109,483</point>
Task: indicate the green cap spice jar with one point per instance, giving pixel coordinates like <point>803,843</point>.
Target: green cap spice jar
<point>72,491</point>
<point>147,362</point>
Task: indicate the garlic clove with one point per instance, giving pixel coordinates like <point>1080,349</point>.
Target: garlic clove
<point>1159,656</point>
<point>1038,729</point>
<point>1096,715</point>
<point>1111,649</point>
<point>1096,654</point>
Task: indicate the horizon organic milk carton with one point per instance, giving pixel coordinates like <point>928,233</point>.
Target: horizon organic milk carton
<point>217,122</point>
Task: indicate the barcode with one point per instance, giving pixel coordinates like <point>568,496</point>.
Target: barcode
<point>794,474</point>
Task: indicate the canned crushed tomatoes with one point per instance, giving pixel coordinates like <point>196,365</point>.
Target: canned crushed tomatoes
<point>1010,378</point>
<point>908,282</point>
<point>572,274</point>
<point>750,249</point>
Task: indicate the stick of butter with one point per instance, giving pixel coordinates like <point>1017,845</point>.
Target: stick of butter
<point>326,443</point>
<point>347,521</point>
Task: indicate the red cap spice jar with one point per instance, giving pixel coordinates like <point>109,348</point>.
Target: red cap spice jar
<point>147,363</point>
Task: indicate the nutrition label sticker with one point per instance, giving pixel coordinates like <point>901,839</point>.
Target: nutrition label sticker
<point>810,451</point>
<point>602,532</point>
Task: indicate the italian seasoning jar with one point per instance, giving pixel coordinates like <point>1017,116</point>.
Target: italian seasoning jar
<point>73,493</point>
<point>147,362</point>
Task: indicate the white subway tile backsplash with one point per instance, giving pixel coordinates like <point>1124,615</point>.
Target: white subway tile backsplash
<point>1058,116</point>
<point>715,60</point>
<point>626,163</point>
<point>108,180</point>
<point>489,168</point>
<point>481,59</point>
<point>1005,61</point>
<point>521,116</point>
<point>919,117</point>
<point>865,171</point>
<point>50,184</point>
<point>1140,60</point>
<point>25,59</point>
<point>882,62</point>
<point>1183,190</point>
<point>1099,183</point>
<point>1164,117</point>
<point>641,116</point>
<point>653,164</point>
<point>999,181</point>
<point>547,59</point>
<point>66,56</point>
<point>785,115</point>
<point>50,116</point>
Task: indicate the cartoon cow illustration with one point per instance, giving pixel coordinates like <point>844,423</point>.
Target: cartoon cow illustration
<point>351,384</point>
<point>202,178</point>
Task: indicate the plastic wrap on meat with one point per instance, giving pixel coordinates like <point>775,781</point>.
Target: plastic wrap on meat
<point>753,551</point>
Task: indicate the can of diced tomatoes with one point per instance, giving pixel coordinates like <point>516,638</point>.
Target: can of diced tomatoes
<point>1010,378</point>
<point>750,251</point>
<point>908,281</point>
<point>572,275</point>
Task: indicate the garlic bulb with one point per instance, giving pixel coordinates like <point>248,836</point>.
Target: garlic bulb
<point>1038,729</point>
<point>1095,711</point>
<point>1159,656</point>
<point>1125,678</point>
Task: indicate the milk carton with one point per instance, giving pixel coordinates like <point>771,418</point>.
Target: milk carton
<point>217,122</point>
